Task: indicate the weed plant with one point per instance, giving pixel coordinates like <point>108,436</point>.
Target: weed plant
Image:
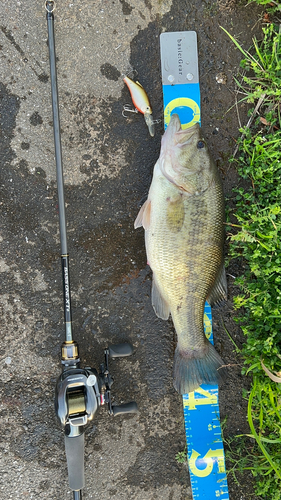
<point>272,6</point>
<point>258,215</point>
<point>255,242</point>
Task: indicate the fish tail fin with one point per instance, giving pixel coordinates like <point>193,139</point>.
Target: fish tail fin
<point>193,368</point>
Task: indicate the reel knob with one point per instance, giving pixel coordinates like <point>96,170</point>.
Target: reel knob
<point>115,351</point>
<point>120,350</point>
<point>125,408</point>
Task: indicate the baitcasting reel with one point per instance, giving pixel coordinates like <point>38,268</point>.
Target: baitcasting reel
<point>79,393</point>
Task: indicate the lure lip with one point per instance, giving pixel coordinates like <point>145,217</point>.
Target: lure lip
<point>150,123</point>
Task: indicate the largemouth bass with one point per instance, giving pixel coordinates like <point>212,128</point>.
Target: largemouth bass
<point>183,219</point>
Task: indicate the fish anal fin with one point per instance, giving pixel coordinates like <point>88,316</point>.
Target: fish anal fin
<point>218,294</point>
<point>143,217</point>
<point>160,306</point>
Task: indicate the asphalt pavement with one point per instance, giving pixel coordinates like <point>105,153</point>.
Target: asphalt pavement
<point>108,162</point>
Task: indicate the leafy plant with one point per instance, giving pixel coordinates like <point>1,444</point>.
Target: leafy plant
<point>181,456</point>
<point>257,238</point>
<point>271,5</point>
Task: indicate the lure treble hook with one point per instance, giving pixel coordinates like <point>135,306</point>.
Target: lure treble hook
<point>127,108</point>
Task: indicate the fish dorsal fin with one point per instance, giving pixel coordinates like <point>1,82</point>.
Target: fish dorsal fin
<point>160,306</point>
<point>139,84</point>
<point>143,217</point>
<point>218,294</point>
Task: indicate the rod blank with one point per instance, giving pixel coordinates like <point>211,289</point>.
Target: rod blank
<point>59,168</point>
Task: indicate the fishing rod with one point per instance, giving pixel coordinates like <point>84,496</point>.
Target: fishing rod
<point>79,391</point>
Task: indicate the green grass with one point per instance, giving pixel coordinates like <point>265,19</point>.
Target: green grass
<point>255,242</point>
<point>265,64</point>
<point>259,451</point>
<point>272,6</point>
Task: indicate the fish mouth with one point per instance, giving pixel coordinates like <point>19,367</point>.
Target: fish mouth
<point>177,134</point>
<point>176,125</point>
<point>175,137</point>
<point>184,137</point>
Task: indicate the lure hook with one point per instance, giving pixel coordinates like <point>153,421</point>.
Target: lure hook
<point>127,108</point>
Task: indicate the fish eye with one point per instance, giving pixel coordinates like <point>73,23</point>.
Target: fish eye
<point>200,145</point>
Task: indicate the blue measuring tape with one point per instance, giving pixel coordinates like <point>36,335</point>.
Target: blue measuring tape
<point>203,436</point>
<point>181,95</point>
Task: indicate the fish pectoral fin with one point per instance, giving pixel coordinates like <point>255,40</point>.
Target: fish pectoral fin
<point>160,306</point>
<point>218,294</point>
<point>143,217</point>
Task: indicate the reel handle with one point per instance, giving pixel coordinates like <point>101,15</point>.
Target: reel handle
<point>125,408</point>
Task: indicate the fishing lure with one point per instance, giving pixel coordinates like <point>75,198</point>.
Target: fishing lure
<point>141,102</point>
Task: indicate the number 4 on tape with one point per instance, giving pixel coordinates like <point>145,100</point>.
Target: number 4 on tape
<point>181,95</point>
